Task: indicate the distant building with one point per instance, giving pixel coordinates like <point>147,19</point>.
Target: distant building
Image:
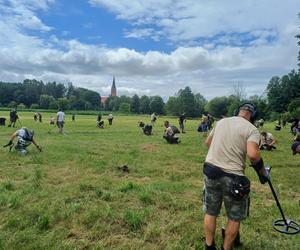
<point>113,92</point>
<point>113,88</point>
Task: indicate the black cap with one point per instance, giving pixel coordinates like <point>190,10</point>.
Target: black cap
<point>294,147</point>
<point>248,107</point>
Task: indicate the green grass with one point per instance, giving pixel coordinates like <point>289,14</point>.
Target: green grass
<point>73,195</point>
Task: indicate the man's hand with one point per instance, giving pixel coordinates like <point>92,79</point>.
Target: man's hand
<point>265,176</point>
<point>8,144</point>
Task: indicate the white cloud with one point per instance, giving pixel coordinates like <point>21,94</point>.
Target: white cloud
<point>211,68</point>
<point>21,14</point>
<point>190,19</point>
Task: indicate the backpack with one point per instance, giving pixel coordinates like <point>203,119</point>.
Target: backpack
<point>175,129</point>
<point>28,136</point>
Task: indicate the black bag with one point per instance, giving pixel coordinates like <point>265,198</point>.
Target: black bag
<point>199,129</point>
<point>213,172</point>
<point>28,136</point>
<point>240,187</point>
<point>175,129</point>
<point>2,121</point>
<point>147,129</point>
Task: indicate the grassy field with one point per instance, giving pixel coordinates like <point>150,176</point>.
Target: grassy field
<point>74,196</point>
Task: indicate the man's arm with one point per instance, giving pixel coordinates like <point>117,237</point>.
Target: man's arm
<point>14,135</point>
<point>273,140</point>
<point>256,161</point>
<point>35,144</point>
<point>208,140</point>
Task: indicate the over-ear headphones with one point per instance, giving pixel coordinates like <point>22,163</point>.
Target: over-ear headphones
<point>249,107</point>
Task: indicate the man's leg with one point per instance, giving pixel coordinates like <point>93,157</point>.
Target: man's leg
<point>209,228</point>
<point>232,229</point>
<point>60,126</point>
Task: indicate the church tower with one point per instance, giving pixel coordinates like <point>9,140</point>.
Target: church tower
<point>113,88</point>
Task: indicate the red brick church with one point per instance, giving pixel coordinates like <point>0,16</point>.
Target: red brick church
<point>113,92</point>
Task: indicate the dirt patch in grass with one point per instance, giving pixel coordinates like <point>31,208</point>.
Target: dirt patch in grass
<point>149,147</point>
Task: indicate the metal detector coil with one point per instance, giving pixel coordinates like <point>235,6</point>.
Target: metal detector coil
<point>285,226</point>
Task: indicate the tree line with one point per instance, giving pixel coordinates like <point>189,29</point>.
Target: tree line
<point>280,100</point>
<point>36,94</point>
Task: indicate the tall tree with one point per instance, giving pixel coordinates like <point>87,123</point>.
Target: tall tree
<point>200,104</point>
<point>145,104</point>
<point>135,104</point>
<point>156,104</point>
<point>218,106</point>
<point>187,102</point>
<point>298,37</point>
<point>173,106</point>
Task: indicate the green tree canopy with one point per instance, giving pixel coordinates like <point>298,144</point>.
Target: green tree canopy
<point>218,106</point>
<point>145,104</point>
<point>156,104</point>
<point>135,104</point>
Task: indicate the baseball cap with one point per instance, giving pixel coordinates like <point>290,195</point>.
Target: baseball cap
<point>294,147</point>
<point>249,107</point>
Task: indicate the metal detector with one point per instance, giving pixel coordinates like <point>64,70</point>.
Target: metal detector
<point>10,144</point>
<point>284,225</point>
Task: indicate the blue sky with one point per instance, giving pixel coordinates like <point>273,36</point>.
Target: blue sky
<point>152,47</point>
<point>96,25</point>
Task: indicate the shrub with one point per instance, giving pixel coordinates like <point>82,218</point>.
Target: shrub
<point>34,106</point>
<point>22,106</point>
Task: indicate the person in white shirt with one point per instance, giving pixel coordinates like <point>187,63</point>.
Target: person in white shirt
<point>110,119</point>
<point>60,120</point>
<point>153,119</point>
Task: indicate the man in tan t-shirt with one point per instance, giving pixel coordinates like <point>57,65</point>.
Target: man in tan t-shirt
<point>229,143</point>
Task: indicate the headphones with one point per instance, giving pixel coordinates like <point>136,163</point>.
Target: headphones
<point>248,106</point>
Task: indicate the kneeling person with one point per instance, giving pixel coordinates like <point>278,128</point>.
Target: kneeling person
<point>170,133</point>
<point>147,129</point>
<point>24,139</point>
<point>267,141</point>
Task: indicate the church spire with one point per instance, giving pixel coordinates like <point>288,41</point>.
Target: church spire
<point>113,88</point>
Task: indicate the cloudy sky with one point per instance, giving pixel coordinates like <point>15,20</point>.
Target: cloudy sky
<point>152,47</point>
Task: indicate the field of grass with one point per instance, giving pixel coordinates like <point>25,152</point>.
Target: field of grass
<point>74,196</point>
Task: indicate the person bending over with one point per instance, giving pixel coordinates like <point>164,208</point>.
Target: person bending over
<point>24,139</point>
<point>170,133</point>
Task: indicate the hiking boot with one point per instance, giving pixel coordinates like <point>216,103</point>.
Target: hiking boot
<point>212,247</point>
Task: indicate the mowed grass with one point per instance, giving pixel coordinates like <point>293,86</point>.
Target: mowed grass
<point>74,195</point>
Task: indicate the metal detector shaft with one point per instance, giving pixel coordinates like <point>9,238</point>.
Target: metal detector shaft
<point>277,201</point>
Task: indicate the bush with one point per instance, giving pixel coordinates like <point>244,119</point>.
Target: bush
<point>34,106</point>
<point>124,108</point>
<point>296,113</point>
<point>274,116</point>
<point>21,106</point>
<point>12,104</point>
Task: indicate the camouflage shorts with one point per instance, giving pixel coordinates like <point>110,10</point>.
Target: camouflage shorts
<point>218,190</point>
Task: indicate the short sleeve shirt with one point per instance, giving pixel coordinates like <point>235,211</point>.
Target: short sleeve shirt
<point>169,131</point>
<point>228,148</point>
<point>268,139</point>
<point>60,116</point>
